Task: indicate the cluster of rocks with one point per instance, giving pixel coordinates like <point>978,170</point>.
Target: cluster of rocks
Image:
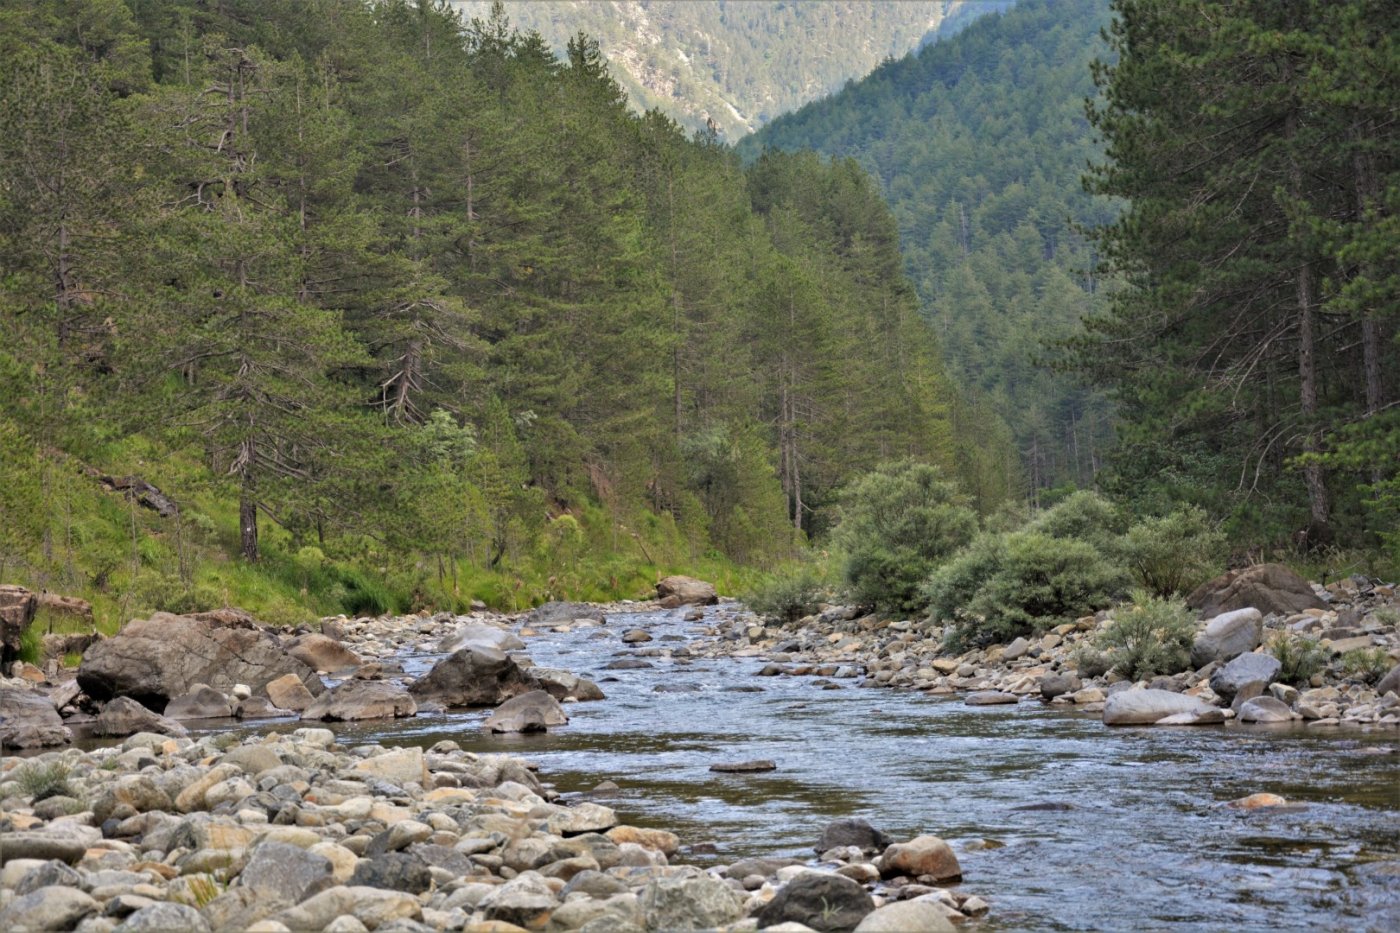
<point>1233,672</point>
<point>294,832</point>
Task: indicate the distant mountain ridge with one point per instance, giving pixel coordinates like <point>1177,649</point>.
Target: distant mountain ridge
<point>739,64</point>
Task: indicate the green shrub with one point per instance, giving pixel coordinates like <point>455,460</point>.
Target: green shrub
<point>1171,554</point>
<point>42,780</point>
<point>1153,637</point>
<point>788,597</point>
<point>1003,586</point>
<point>897,524</point>
<point>1090,661</point>
<point>1300,656</point>
<point>1084,516</point>
<point>1367,665</point>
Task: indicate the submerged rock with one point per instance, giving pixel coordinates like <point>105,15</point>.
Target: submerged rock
<point>535,711</point>
<point>744,767</point>
<point>474,676</point>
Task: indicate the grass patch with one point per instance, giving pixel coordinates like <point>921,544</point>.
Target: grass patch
<point>42,780</point>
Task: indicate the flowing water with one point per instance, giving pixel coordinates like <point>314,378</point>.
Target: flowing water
<point>1059,822</point>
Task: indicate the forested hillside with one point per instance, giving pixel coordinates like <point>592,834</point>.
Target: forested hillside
<point>739,64</point>
<point>979,142</point>
<point>397,308</point>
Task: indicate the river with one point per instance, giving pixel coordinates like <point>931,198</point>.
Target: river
<point>1130,830</point>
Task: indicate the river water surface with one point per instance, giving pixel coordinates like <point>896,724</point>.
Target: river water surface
<point>1131,830</point>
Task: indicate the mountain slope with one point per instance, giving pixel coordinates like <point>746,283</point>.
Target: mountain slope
<point>739,64</point>
<point>979,142</point>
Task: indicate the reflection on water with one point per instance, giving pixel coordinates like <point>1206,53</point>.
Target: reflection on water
<point>1135,833</point>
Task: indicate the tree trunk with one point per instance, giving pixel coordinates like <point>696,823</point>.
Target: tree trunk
<point>248,522</point>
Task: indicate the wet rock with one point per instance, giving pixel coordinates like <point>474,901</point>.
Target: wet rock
<point>685,591</point>
<point>851,831</point>
<point>263,708</point>
<point>562,685</point>
<point>535,711</point>
<point>1251,667</point>
<point>556,613</point>
<point>474,676</point>
<point>923,855</point>
<point>51,908</point>
<point>1144,707</point>
<point>823,902</point>
<point>29,720</point>
<point>480,635</point>
<point>990,698</point>
<point>1210,717</point>
<point>289,692</point>
<point>362,699</point>
<point>915,916</point>
<point>636,636</point>
<point>167,655</point>
<point>200,703</point>
<point>1257,801</point>
<point>1265,709</point>
<point>1228,636</point>
<point>321,653</point>
<point>689,902</point>
<point>286,871</point>
<point>1267,588</point>
<point>124,716</point>
<point>744,767</point>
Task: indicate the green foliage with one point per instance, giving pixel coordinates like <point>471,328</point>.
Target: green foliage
<point>42,780</point>
<point>1367,665</point>
<point>1082,516</point>
<point>1090,661</point>
<point>898,524</point>
<point>1301,657</point>
<point>789,596</point>
<point>1151,637</point>
<point>31,645</point>
<point>1171,554</point>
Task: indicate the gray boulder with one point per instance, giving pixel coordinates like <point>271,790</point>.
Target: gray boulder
<point>526,901</point>
<point>852,831</point>
<point>66,842</point>
<point>1054,685</point>
<point>124,716</point>
<point>203,702</point>
<point>1250,667</point>
<point>28,720</point>
<point>535,711</point>
<point>480,635</point>
<point>393,871</point>
<point>990,698</point>
<point>1389,682</point>
<point>685,591</point>
<point>1144,707</point>
<point>164,917</point>
<point>52,908</point>
<point>322,653</point>
<point>286,871</point>
<point>563,684</point>
<point>1272,589</point>
<point>821,901</point>
<point>362,699</point>
<point>1264,710</point>
<point>155,659</point>
<point>17,608</point>
<point>474,676</point>
<point>1228,636</point>
<point>689,902</point>
<point>916,916</point>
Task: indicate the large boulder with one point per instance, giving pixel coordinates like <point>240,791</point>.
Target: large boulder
<point>203,702</point>
<point>321,653</point>
<point>474,676</point>
<point>55,907</point>
<point>17,608</point>
<point>1145,707</point>
<point>1265,709</point>
<point>286,871</point>
<point>124,716</point>
<point>685,591</point>
<point>1270,588</point>
<point>563,685</point>
<point>689,902</point>
<point>1249,668</point>
<point>915,916</point>
<point>821,901</point>
<point>851,831</point>
<point>288,692</point>
<point>481,635</point>
<point>362,699</point>
<point>1389,682</point>
<point>1228,636</point>
<point>155,659</point>
<point>921,856</point>
<point>28,720</point>
<point>534,711</point>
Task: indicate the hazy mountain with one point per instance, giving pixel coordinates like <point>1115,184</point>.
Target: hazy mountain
<point>738,63</point>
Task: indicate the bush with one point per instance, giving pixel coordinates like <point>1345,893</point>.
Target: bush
<point>1084,516</point>
<point>897,524</point>
<point>1003,586</point>
<point>1090,661</point>
<point>1171,554</point>
<point>788,598</point>
<point>42,780</point>
<point>1300,656</point>
<point>1153,637</point>
<point>1367,665</point>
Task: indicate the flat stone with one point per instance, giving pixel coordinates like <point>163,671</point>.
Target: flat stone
<point>399,766</point>
<point>990,698</point>
<point>362,699</point>
<point>1144,707</point>
<point>744,767</point>
<point>51,908</point>
<point>1210,717</point>
<point>202,702</point>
